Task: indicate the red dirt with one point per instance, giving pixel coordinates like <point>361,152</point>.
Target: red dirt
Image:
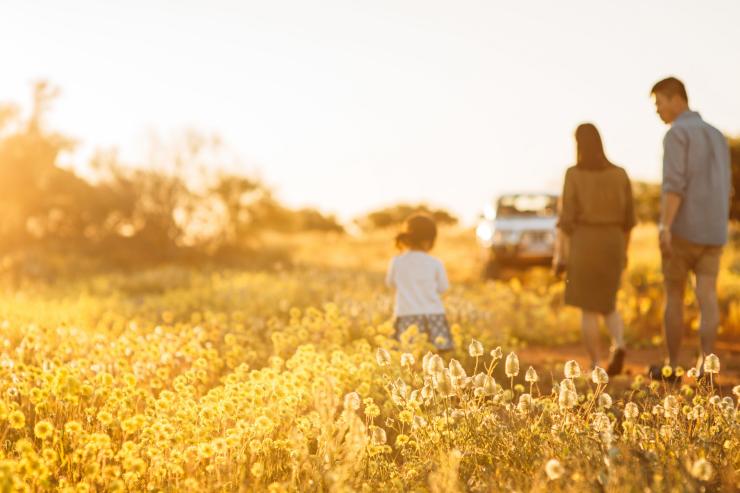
<point>550,359</point>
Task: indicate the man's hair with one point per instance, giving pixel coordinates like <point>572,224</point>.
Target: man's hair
<point>670,87</point>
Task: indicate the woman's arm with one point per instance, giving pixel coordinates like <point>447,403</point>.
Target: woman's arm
<point>566,222</point>
<point>561,250</point>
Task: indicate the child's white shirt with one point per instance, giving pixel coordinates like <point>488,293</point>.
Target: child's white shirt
<point>419,279</point>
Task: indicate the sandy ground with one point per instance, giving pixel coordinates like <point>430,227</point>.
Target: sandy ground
<point>548,360</point>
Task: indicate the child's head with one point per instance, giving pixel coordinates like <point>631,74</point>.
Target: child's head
<point>419,233</point>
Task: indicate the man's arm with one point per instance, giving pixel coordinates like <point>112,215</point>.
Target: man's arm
<point>674,183</point>
<point>669,208</point>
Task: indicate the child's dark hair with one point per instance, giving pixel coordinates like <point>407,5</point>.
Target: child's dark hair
<point>419,232</point>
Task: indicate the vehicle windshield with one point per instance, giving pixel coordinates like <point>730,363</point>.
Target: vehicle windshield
<point>527,205</point>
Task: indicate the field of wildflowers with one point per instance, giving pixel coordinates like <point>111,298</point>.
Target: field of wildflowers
<point>177,380</point>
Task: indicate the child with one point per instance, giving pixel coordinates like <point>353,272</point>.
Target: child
<point>419,279</point>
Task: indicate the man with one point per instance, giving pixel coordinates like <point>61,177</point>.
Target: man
<point>694,215</point>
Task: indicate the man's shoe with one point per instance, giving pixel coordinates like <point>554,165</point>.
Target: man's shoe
<point>616,362</point>
<point>656,373</point>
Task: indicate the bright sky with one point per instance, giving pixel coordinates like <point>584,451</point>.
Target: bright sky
<point>351,105</point>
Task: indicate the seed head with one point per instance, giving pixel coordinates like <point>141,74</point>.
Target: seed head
<point>525,403</point>
<point>599,376</point>
<point>475,349</point>
<point>383,357</point>
<point>631,411</point>
<point>436,364</point>
<point>572,370</point>
<point>554,469</point>
<point>456,369</point>
<point>736,391</point>
<point>443,383</point>
<point>605,400</point>
<point>568,384</point>
<point>479,379</point>
<point>711,365</point>
<point>426,392</point>
<point>692,373</point>
<point>378,435</point>
<point>407,360</point>
<point>670,404</point>
<point>489,385</point>
<point>352,401</point>
<point>702,469</point>
<point>600,422</point>
<point>512,365</point>
<point>425,361</point>
<point>567,398</point>
<point>531,375</point>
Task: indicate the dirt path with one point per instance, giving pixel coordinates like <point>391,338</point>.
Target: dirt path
<point>549,359</point>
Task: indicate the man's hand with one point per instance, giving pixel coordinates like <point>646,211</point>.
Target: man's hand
<point>665,238</point>
<point>670,203</point>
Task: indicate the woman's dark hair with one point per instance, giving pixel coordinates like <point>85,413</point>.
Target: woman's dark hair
<point>589,149</point>
<point>419,232</point>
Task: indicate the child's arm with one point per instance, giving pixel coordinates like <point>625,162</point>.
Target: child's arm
<point>390,277</point>
<point>443,284</point>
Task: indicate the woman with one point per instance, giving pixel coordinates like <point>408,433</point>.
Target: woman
<point>596,217</point>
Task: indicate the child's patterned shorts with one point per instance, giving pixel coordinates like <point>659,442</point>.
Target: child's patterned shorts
<point>435,326</point>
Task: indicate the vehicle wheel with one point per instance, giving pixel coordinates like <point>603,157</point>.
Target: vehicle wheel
<point>492,269</point>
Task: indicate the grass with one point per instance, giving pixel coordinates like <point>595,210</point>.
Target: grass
<point>287,380</point>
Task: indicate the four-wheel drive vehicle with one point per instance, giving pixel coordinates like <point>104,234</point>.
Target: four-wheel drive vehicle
<point>518,230</point>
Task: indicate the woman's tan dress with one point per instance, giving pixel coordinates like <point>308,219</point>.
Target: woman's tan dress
<point>597,212</point>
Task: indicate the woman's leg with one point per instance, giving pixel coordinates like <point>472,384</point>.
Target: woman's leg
<point>615,325</point>
<point>616,329</point>
<point>590,328</point>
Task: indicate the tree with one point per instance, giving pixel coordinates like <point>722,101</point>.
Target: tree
<point>647,201</point>
<point>397,214</point>
<point>313,220</point>
<point>38,200</point>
